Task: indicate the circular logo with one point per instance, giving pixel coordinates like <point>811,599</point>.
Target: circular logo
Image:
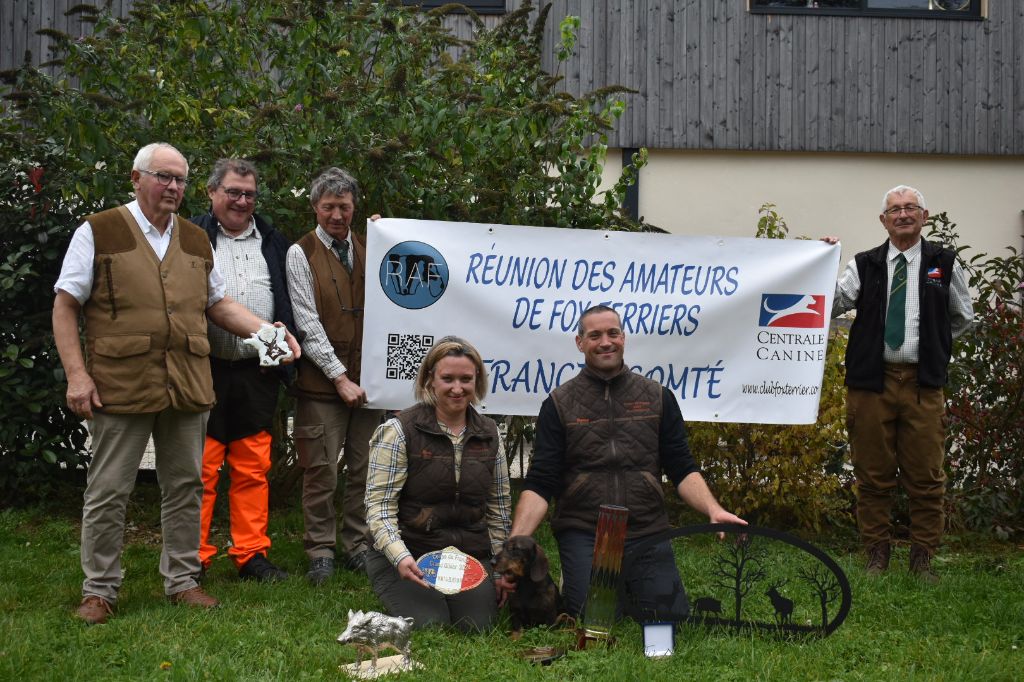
<point>413,275</point>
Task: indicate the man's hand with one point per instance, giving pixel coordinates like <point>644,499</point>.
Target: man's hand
<point>830,240</point>
<point>408,570</point>
<point>722,516</point>
<point>351,393</point>
<point>293,345</point>
<point>82,395</point>
<point>503,588</point>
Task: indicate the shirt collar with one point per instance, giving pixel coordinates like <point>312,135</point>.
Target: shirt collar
<point>910,254</point>
<point>145,225</point>
<point>328,240</point>
<point>250,231</point>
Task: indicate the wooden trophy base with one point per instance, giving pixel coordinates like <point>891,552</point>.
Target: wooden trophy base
<point>588,639</point>
<point>386,665</point>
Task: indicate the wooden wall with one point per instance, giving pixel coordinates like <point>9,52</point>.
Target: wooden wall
<point>709,75</point>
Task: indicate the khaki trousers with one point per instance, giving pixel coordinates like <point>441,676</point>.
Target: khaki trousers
<point>322,430</point>
<point>897,438</point>
<point>119,442</point>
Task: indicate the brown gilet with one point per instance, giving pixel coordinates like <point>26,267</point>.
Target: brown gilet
<point>611,451</point>
<point>145,320</point>
<point>435,511</point>
<point>339,299</point>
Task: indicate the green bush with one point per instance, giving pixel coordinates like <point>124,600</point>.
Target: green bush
<point>40,441</point>
<point>780,474</point>
<point>985,396</point>
<point>434,127</point>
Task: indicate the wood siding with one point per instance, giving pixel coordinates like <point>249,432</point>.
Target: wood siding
<point>710,75</point>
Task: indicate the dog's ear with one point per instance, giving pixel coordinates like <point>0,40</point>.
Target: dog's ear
<point>539,568</point>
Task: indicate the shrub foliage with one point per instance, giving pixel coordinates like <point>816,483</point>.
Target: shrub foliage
<point>986,393</point>
<point>433,126</point>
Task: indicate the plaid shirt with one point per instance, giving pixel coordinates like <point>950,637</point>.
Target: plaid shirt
<point>386,475</point>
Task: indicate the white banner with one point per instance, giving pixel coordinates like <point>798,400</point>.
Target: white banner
<point>735,328</point>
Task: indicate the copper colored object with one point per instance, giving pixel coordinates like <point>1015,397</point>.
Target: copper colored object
<point>603,595</point>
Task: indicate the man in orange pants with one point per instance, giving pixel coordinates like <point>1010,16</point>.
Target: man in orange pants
<point>251,255</point>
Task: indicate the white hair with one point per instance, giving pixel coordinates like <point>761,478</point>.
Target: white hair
<point>902,189</point>
<point>145,156</point>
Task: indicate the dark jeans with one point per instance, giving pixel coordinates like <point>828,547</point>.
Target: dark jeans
<point>652,589</point>
<point>469,611</point>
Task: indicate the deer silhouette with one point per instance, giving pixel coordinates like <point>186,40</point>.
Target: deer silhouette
<point>783,607</point>
<point>706,605</point>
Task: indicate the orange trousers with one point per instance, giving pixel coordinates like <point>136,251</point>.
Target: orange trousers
<point>248,497</point>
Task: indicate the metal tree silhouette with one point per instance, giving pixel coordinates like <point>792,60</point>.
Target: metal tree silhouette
<point>825,584</point>
<point>739,568</point>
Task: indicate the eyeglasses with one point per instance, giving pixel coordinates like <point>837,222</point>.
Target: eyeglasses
<point>896,210</point>
<point>236,194</point>
<point>165,178</point>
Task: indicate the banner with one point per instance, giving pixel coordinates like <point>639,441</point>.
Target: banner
<point>735,328</point>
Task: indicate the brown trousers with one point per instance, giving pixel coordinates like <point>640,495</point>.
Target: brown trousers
<point>896,438</point>
<point>322,431</point>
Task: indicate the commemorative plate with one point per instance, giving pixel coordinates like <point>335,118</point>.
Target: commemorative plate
<point>451,571</point>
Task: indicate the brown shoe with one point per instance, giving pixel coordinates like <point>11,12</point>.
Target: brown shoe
<point>94,610</point>
<point>878,559</point>
<point>194,597</point>
<point>921,564</point>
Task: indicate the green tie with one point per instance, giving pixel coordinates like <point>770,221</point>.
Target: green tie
<point>341,248</point>
<point>896,316</point>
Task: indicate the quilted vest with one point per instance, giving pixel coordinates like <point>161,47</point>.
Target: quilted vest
<point>433,510</point>
<point>611,451</point>
<point>339,299</point>
<point>145,320</point>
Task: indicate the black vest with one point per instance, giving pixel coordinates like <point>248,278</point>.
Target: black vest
<point>433,510</point>
<point>864,352</point>
<point>612,454</point>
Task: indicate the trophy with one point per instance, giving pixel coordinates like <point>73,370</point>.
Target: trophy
<point>603,595</point>
<point>269,341</point>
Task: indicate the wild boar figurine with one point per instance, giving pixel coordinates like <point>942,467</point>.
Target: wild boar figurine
<point>372,632</point>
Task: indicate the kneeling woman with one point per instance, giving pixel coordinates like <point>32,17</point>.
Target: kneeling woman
<point>436,480</point>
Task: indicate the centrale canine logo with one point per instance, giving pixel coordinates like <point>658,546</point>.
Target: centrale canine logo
<point>804,311</point>
<point>413,275</point>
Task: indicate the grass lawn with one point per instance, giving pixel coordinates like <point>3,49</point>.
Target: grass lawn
<point>969,627</point>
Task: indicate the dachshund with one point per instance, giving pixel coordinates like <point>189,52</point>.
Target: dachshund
<point>536,600</point>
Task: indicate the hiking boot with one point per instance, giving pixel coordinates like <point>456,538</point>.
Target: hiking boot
<point>320,569</point>
<point>260,569</point>
<point>878,559</point>
<point>94,610</point>
<point>357,562</point>
<point>921,564</point>
<point>193,597</point>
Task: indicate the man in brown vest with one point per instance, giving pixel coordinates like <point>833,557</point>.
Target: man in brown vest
<point>606,437</point>
<point>326,281</point>
<point>145,282</point>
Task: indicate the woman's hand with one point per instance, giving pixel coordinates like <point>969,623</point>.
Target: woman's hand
<point>408,570</point>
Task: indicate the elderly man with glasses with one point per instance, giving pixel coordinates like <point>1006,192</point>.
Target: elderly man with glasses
<point>250,254</point>
<point>145,282</point>
<point>912,300</point>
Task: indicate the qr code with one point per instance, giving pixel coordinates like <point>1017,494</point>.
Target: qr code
<point>405,353</point>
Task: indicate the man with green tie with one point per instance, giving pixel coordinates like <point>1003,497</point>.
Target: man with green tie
<point>912,300</point>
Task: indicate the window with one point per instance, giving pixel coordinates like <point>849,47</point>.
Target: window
<point>478,6</point>
<point>937,9</point>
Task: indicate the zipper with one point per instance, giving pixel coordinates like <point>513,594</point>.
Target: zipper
<point>110,287</point>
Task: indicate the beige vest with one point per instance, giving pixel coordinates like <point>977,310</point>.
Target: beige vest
<point>339,299</point>
<point>145,320</point>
